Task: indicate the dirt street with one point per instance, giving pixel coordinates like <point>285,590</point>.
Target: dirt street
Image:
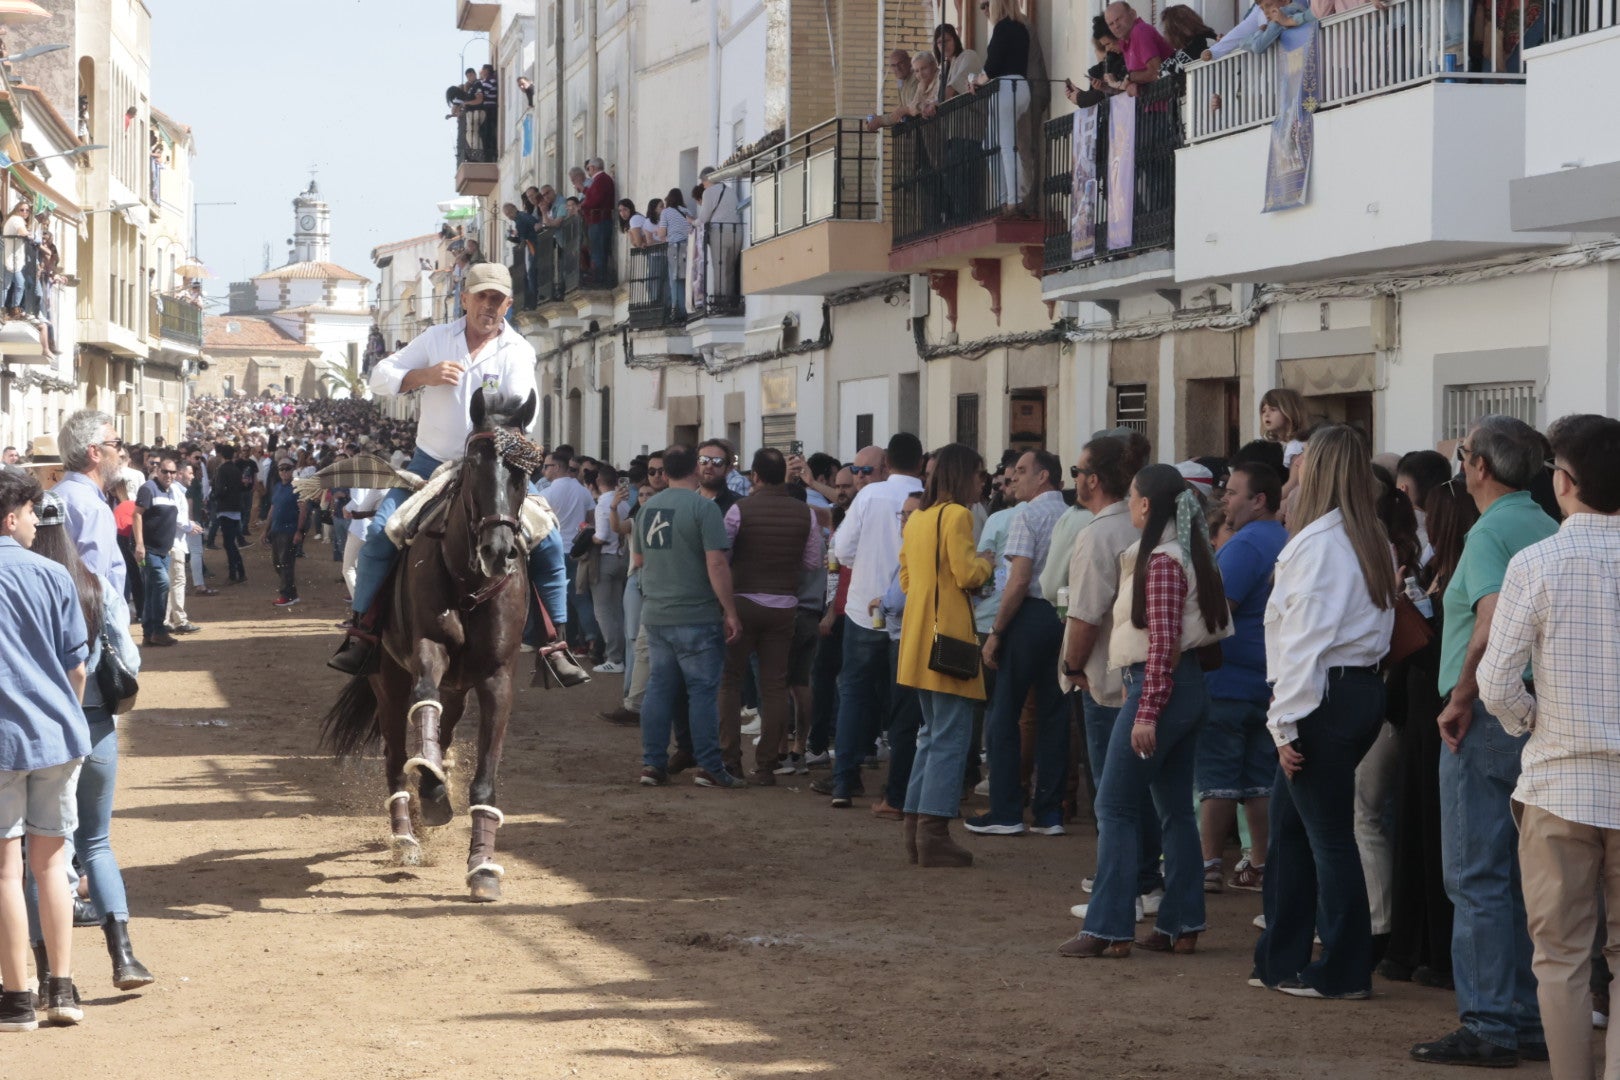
<point>672,933</point>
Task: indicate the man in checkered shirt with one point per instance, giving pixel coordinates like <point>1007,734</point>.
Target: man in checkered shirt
<point>1560,609</point>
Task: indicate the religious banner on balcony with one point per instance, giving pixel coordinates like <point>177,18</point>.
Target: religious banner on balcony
<point>1121,171</point>
<point>1083,198</point>
<point>696,262</point>
<point>1288,169</point>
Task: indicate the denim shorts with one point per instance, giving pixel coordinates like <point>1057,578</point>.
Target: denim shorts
<point>44,802</point>
<point>1237,758</point>
<point>806,636</point>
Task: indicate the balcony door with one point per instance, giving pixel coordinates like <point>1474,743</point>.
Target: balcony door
<point>863,415</point>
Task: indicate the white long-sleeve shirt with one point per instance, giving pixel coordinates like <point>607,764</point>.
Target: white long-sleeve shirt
<point>1319,617</point>
<point>869,543</point>
<point>1560,608</point>
<point>1234,38</point>
<point>506,364</point>
<point>573,504</point>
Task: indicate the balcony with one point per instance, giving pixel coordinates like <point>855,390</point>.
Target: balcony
<point>963,180</point>
<point>1572,163</point>
<point>567,289</point>
<point>817,222</point>
<point>1411,165</point>
<point>689,284</point>
<point>480,16</point>
<point>1102,240</point>
<point>477,134</point>
<point>177,321</point>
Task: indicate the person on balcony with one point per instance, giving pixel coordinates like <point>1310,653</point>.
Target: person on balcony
<point>1143,47</point>
<point>674,226</point>
<point>1101,76</point>
<point>489,110</point>
<point>958,67</point>
<point>1188,35</point>
<point>1006,61</point>
<point>15,238</point>
<point>597,209</point>
<point>910,87</point>
<point>525,244</point>
<point>719,222</point>
<point>1279,17</point>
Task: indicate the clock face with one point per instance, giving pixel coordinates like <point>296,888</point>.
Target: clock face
<point>307,223</point>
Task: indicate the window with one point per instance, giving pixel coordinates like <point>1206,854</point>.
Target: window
<point>1464,405</point>
<point>545,424</point>
<point>607,423</point>
<point>689,169</point>
<point>863,429</point>
<point>779,430</point>
<point>1130,407</point>
<point>967,420</point>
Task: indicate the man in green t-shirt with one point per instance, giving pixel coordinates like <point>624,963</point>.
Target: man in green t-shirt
<point>1496,991</point>
<point>687,610</point>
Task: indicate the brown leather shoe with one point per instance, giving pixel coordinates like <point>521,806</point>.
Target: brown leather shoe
<point>761,778</point>
<point>621,716</point>
<point>1159,941</point>
<point>935,846</point>
<point>1085,947</point>
<point>910,829</point>
<point>882,809</point>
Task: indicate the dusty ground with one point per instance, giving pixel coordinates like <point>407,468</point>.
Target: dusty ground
<point>666,933</point>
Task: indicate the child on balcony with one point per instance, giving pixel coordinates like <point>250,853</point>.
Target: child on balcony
<point>1279,17</point>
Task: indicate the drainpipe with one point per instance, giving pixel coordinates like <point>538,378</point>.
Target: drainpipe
<point>560,180</point>
<point>714,86</point>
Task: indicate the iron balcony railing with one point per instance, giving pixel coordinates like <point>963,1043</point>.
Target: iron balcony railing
<point>657,279</point>
<point>831,172</point>
<point>1363,52</point>
<point>177,319</point>
<point>970,161</point>
<point>1089,221</point>
<point>1571,18</point>
<point>476,136</point>
<point>697,278</point>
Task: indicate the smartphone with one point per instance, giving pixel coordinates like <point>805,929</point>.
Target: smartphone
<point>796,447</point>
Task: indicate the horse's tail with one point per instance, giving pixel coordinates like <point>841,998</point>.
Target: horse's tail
<point>352,724</point>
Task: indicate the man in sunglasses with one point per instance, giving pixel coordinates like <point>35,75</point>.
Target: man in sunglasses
<point>157,524</point>
<point>714,468</point>
<point>869,467</point>
<point>89,447</point>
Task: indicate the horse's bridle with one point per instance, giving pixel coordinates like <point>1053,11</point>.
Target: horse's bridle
<point>477,529</point>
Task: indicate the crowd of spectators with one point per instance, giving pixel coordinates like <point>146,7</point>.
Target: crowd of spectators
<point>31,271</point>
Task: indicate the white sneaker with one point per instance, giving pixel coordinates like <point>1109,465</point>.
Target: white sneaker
<point>793,765</point>
<point>983,788</point>
<point>608,668</point>
<point>1260,921</point>
<point>1087,883</point>
<point>1600,1020</point>
<point>1079,910</point>
<point>818,761</point>
<point>1150,901</point>
<point>751,725</point>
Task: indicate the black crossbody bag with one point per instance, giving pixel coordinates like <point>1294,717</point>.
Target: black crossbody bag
<point>949,656</point>
<point>117,683</point>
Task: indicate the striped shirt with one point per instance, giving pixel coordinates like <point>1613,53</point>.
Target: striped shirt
<point>1030,535</point>
<point>1559,608</point>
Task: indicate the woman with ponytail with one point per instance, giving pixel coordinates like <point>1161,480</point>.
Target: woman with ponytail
<point>1170,605</point>
<point>1328,625</point>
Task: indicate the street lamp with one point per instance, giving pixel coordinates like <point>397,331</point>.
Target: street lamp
<point>29,54</point>
<point>6,162</point>
<point>115,208</point>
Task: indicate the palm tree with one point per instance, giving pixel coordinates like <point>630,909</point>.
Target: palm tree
<point>350,379</point>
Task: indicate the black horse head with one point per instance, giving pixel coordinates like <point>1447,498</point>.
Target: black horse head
<point>491,488</point>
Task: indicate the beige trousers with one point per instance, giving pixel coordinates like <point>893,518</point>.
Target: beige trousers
<point>1565,868</point>
<point>179,556</point>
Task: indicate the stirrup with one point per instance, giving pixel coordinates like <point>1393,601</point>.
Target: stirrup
<point>359,655</point>
<point>555,666</point>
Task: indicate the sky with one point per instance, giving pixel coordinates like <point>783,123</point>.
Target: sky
<point>351,88</point>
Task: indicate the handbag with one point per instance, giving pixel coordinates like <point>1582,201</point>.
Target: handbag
<point>1411,634</point>
<point>949,656</point>
<point>584,540</point>
<point>117,683</point>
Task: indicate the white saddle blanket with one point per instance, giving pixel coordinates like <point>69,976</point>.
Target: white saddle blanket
<point>407,522</point>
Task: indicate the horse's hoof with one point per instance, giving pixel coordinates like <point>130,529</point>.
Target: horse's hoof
<point>435,806</point>
<point>407,852</point>
<point>485,887</point>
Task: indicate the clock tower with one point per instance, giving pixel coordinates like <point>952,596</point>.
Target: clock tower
<point>312,236</point>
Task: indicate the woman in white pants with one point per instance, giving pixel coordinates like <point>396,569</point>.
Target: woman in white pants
<point>1006,63</point>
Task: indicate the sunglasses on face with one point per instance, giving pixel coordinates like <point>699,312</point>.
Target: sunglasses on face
<point>116,444</point>
<point>862,470</point>
<point>1076,472</point>
<point>169,472</point>
<point>655,472</point>
<point>711,459</point>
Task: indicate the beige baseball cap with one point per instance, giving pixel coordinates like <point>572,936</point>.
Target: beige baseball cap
<point>489,275</point>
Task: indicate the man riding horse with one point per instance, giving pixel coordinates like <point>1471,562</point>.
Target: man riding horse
<point>449,364</point>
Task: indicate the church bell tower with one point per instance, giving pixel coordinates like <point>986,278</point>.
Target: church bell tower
<point>312,236</point>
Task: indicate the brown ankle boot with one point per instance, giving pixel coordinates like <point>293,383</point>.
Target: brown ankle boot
<point>909,826</point>
<point>935,846</point>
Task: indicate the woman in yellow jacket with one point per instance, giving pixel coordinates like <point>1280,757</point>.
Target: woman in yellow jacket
<point>937,566</point>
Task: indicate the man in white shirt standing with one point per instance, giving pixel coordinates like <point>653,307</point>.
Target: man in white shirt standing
<point>1557,609</point>
<point>868,542</point>
<point>574,505</point>
<point>449,363</point>
<point>719,229</point>
<point>180,556</point>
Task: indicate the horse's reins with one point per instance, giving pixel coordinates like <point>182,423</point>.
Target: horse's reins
<point>475,533</point>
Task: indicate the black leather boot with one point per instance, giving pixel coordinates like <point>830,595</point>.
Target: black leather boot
<point>128,972</point>
<point>356,656</point>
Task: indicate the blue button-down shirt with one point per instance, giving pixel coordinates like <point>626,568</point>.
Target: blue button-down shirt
<point>90,523</point>
<point>41,722</point>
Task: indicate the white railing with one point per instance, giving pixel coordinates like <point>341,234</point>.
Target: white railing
<point>1571,18</point>
<point>1362,52</point>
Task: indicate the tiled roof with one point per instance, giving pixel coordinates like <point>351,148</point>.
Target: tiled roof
<point>321,270</point>
<point>250,333</point>
<point>318,309</point>
<point>401,245</point>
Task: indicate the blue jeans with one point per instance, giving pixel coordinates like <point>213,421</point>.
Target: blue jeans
<point>1490,947</point>
<point>632,624</point>
<point>824,688</point>
<point>16,288</point>
<point>1314,882</point>
<point>599,241</point>
<point>943,741</point>
<point>1150,844</point>
<point>696,655</point>
<point>905,719</point>
<point>1236,756</point>
<point>1028,661</point>
<point>581,614</point>
<point>862,697</point>
<point>155,584</point>
<point>1168,775</point>
<point>97,777</point>
<point>378,554</point>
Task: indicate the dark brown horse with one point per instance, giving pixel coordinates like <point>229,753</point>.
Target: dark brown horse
<point>459,601</point>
